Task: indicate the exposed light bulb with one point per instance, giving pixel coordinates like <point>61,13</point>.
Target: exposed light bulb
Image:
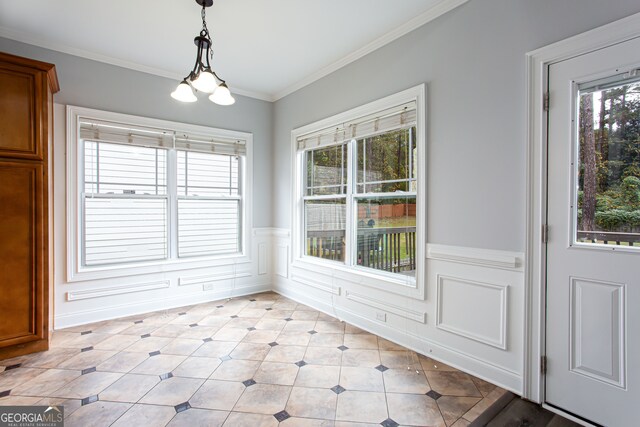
<point>184,93</point>
<point>205,82</point>
<point>222,95</point>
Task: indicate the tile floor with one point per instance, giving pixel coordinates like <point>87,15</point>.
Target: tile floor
<point>260,360</point>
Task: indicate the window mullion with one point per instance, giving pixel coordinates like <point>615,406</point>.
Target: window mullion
<point>351,214</point>
<point>172,200</point>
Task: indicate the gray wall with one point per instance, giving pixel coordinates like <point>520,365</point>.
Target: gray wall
<point>473,61</point>
<point>97,85</point>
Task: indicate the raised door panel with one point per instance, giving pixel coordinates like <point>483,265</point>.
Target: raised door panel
<point>22,223</point>
<point>20,112</point>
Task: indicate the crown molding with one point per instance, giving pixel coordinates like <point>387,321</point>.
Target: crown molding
<point>425,17</point>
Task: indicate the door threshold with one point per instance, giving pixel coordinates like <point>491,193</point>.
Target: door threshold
<point>569,416</point>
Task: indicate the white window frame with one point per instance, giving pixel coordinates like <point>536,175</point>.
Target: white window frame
<point>396,283</point>
<point>76,271</point>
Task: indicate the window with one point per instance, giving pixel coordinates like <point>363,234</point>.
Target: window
<point>146,194</point>
<point>359,188</point>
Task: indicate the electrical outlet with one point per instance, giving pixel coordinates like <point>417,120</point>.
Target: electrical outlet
<point>381,316</point>
<point>207,286</point>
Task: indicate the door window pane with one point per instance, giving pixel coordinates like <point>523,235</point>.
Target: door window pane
<point>608,173</point>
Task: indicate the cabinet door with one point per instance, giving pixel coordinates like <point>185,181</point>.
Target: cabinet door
<point>21,124</point>
<point>22,250</point>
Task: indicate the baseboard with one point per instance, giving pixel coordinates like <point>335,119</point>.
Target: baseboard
<point>173,301</point>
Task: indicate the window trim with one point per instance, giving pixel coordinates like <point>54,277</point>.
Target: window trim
<point>75,271</point>
<point>377,279</point>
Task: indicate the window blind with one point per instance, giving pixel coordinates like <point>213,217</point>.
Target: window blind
<point>401,116</point>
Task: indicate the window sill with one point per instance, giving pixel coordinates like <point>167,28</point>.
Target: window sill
<point>162,266</point>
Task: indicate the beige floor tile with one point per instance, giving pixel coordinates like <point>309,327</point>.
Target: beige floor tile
<point>45,383</point>
<point>181,346</point>
<point>452,407</point>
<point>484,404</point>
<point>87,340</point>
<point>286,354</point>
<point>197,367</point>
<point>350,329</point>
<point>452,383</point>
<point>170,330</point>
<point>461,423</point>
<point>18,400</point>
<point>484,386</point>
<point>277,313</point>
<point>306,422</point>
<point>200,333</point>
<point>250,351</point>
<point>361,379</point>
<point>60,339</point>
<point>146,415</point>
<point>158,365</point>
<point>147,345</point>
<point>240,419</point>
<point>361,341</point>
<point>263,399</point>
<point>326,340</point>
<point>261,336</point>
<point>429,364</point>
<point>400,359</point>
<point>312,403</point>
<point>236,370</point>
<point>230,334</point>
<point>87,385</point>
<point>112,327</point>
<point>87,359</point>
<point>97,414</point>
<point>414,409</point>
<point>70,405</point>
<point>252,312</point>
<point>15,377</point>
<point>215,349</point>
<point>199,418</point>
<point>293,338</point>
<point>324,317</point>
<point>173,391</point>
<point>51,358</point>
<point>388,345</point>
<point>350,424</point>
<point>330,327</point>
<point>323,356</point>
<point>271,324</point>
<point>300,326</point>
<point>122,362</point>
<point>117,342</point>
<point>187,319</point>
<point>276,373</point>
<point>220,395</point>
<point>243,322</point>
<point>305,315</point>
<point>214,321</point>
<point>318,376</point>
<point>405,381</point>
<point>361,358</point>
<point>140,329</point>
<point>361,406</point>
<point>129,388</point>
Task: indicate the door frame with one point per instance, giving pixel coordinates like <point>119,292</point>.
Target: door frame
<point>537,65</point>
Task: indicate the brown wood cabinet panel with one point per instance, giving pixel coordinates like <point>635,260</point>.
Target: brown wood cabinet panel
<point>21,251</point>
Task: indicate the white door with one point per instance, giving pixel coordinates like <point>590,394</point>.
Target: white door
<point>593,253</point>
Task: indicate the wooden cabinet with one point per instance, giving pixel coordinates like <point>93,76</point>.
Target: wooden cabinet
<point>26,137</point>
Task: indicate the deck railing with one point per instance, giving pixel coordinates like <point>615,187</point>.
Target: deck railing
<point>610,238</point>
<point>390,249</point>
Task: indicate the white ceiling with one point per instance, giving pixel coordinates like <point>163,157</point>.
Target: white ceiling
<point>264,49</point>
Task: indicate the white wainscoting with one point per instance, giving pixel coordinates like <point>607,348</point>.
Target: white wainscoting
<point>472,315</point>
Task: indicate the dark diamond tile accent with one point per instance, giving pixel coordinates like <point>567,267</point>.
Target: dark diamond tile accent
<point>166,376</point>
<point>16,366</point>
<point>208,339</point>
<point>252,300</point>
<point>5,393</point>
<point>273,344</point>
<point>182,407</point>
<point>268,308</point>
<point>281,416</point>
<point>389,423</point>
<point>219,306</point>
<point>251,329</point>
<point>154,353</point>
<point>145,336</point>
<point>137,322</point>
<point>86,349</point>
<point>193,325</point>
<point>89,399</point>
<point>312,332</point>
<point>88,370</point>
<point>337,389</point>
<point>288,319</point>
<point>248,383</point>
<point>225,358</point>
<point>434,394</point>
<point>182,314</point>
<point>234,316</point>
<point>85,333</point>
<point>301,363</point>
<point>381,368</point>
<point>343,348</point>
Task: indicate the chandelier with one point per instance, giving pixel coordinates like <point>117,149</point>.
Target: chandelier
<point>202,78</point>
